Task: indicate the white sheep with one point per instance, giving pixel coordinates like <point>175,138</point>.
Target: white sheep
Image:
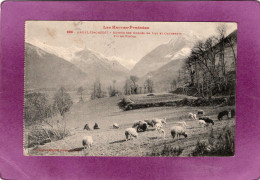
<point>161,131</point>
<point>183,124</point>
<point>157,120</point>
<point>129,132</point>
<point>115,126</point>
<point>202,123</point>
<point>87,142</point>
<point>191,115</point>
<point>158,127</point>
<point>178,130</point>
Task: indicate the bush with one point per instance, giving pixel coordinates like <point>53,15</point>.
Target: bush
<point>166,151</point>
<point>200,149</point>
<point>225,143</point>
<point>185,101</point>
<point>220,145</point>
<point>123,104</point>
<point>43,135</point>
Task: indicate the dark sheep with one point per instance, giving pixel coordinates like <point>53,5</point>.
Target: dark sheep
<point>149,122</point>
<point>233,113</point>
<point>221,114</point>
<point>86,127</point>
<point>207,120</point>
<point>142,127</point>
<point>96,126</point>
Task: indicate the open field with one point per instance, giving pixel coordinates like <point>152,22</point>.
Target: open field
<point>111,142</point>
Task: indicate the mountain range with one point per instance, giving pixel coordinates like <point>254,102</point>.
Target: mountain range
<point>176,48</point>
<point>52,67</point>
<point>45,70</point>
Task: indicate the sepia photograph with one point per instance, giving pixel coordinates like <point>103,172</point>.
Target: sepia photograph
<point>127,88</point>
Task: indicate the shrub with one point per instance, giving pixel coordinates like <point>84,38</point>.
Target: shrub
<point>124,103</point>
<point>185,101</point>
<point>40,136</point>
<point>166,151</point>
<point>200,149</point>
<point>221,145</point>
<point>225,143</point>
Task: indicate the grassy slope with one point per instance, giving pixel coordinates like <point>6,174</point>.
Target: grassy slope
<point>110,142</point>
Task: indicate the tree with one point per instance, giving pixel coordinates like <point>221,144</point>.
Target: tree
<point>114,84</point>
<point>221,29</point>
<point>173,84</point>
<point>127,87</point>
<point>62,101</point>
<point>149,85</point>
<point>134,79</point>
<point>80,92</point>
<point>36,107</point>
<point>97,90</point>
<point>134,87</point>
<point>112,92</point>
<point>231,42</point>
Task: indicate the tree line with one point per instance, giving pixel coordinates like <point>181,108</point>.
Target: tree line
<point>206,70</point>
<point>131,86</point>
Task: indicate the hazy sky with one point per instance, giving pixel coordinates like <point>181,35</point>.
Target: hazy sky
<point>126,50</point>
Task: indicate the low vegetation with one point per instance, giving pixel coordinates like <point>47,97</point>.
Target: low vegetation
<point>127,104</point>
<point>222,144</point>
<point>167,150</point>
<point>45,121</point>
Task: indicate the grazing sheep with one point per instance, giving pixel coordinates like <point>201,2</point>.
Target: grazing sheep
<point>233,113</point>
<point>96,126</point>
<point>200,112</point>
<point>143,126</point>
<point>138,123</point>
<point>86,127</point>
<point>158,127</point>
<point>191,115</point>
<point>207,120</point>
<point>183,124</point>
<point>130,132</point>
<point>149,122</point>
<point>87,142</point>
<point>202,123</point>
<point>157,120</point>
<point>115,126</point>
<point>221,114</point>
<point>178,131</point>
<point>162,132</point>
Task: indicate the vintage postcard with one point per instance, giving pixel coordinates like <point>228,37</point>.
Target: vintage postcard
<point>122,88</point>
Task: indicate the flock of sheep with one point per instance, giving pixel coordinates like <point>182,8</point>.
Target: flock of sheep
<point>176,130</point>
